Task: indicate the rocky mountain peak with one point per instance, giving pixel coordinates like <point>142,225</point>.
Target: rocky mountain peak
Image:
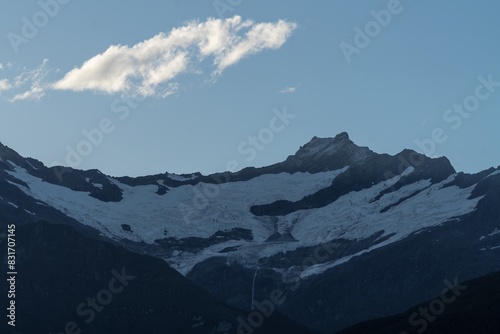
<point>319,146</point>
<point>325,153</point>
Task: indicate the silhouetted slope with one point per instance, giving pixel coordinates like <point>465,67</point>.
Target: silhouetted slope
<point>476,310</point>
<point>58,269</point>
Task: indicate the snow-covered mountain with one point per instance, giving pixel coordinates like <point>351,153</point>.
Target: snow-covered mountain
<point>319,226</point>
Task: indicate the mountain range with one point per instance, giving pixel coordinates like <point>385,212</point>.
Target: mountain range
<point>333,236</point>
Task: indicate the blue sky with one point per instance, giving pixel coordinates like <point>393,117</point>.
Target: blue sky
<point>205,75</point>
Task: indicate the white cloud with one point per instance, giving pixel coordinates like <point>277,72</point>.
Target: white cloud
<point>1,66</point>
<point>260,37</point>
<point>149,67</point>
<point>288,90</point>
<point>5,85</point>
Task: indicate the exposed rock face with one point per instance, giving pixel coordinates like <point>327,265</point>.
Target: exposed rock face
<point>329,154</point>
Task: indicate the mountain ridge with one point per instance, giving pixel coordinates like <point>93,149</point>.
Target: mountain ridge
<point>341,145</point>
<point>364,208</point>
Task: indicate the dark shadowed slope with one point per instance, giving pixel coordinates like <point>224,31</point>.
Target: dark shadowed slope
<point>473,307</point>
<point>59,269</point>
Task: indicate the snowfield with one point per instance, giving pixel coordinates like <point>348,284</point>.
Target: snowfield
<point>150,214</point>
<point>212,208</point>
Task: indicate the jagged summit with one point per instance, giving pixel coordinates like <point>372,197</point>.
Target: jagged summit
<point>330,146</point>
<point>325,153</point>
<point>342,139</point>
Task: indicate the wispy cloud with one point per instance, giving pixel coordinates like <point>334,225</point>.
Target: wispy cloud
<point>31,85</point>
<point>150,67</point>
<point>5,66</point>
<point>5,85</point>
<point>35,93</point>
<point>25,84</point>
<point>288,90</point>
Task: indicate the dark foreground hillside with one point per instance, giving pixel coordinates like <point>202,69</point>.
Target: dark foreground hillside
<point>475,310</point>
<point>68,283</point>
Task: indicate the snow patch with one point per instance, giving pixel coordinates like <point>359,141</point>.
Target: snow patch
<point>227,205</point>
<point>494,173</point>
<point>354,217</point>
<point>31,165</point>
<point>495,232</point>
